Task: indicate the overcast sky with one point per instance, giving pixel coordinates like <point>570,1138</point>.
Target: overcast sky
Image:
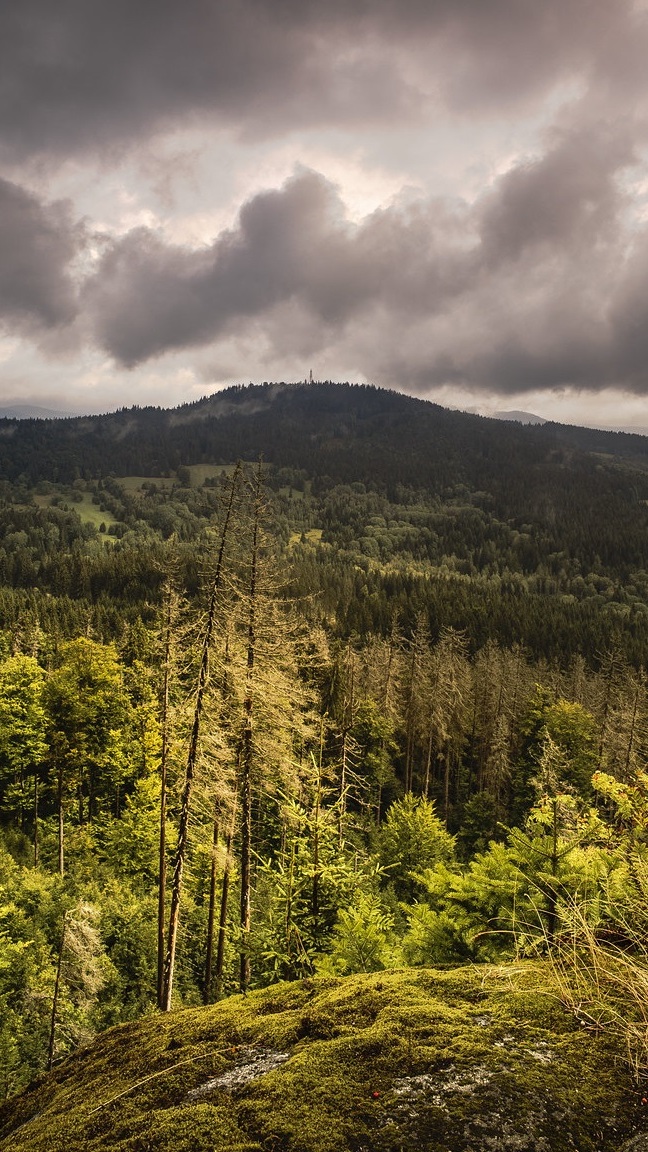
<point>446,197</point>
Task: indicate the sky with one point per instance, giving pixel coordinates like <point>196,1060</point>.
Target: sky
<point>444,197</point>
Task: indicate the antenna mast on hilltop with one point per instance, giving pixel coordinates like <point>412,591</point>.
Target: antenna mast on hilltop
<point>311,376</point>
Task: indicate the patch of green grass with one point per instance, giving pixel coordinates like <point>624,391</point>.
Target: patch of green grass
<point>201,472</point>
<point>313,536</point>
<point>135,484</point>
<point>92,514</point>
<point>82,504</point>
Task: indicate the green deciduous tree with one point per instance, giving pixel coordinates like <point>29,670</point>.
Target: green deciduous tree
<point>91,732</point>
<point>22,736</point>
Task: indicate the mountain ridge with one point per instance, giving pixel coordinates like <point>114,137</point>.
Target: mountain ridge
<point>324,418</point>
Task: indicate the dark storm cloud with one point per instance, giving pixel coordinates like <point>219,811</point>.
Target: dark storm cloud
<point>293,244</point>
<point>37,244</point>
<point>531,287</point>
<point>629,316</point>
<point>568,197</point>
<point>87,74</point>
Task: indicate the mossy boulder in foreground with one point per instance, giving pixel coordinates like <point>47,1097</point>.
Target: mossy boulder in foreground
<point>457,1061</point>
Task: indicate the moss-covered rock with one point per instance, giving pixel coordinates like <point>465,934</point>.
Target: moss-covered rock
<point>457,1061</point>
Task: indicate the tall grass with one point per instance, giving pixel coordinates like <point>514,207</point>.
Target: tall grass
<point>600,963</point>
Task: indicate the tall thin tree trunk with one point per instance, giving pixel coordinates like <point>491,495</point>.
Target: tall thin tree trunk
<point>343,788</point>
<point>246,753</point>
<point>222,920</point>
<point>21,815</point>
<point>35,819</point>
<point>428,764</point>
<point>409,735</point>
<point>164,755</point>
<point>55,997</point>
<point>315,905</point>
<point>347,724</point>
<point>631,737</point>
<point>446,787</point>
<point>192,756</point>
<point>246,852</point>
<point>59,796</point>
<point>386,691</point>
<point>289,895</point>
<point>552,892</point>
<point>609,678</point>
<point>211,917</point>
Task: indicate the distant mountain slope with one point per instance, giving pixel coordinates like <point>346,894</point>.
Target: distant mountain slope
<point>519,417</point>
<point>32,412</point>
<point>586,490</point>
<point>529,534</point>
<point>354,433</point>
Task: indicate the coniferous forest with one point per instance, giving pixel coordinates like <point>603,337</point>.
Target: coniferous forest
<point>310,680</point>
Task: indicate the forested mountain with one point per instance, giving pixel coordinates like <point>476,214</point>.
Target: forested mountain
<point>354,432</point>
<point>529,534</point>
<point>310,679</point>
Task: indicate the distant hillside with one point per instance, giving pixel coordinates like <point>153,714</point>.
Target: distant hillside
<point>351,432</point>
<point>32,412</point>
<point>636,430</point>
<point>519,417</point>
<point>532,534</point>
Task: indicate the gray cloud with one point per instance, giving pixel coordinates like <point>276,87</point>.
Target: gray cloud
<point>529,288</point>
<point>567,197</point>
<point>629,316</point>
<point>148,297</point>
<point>293,244</point>
<point>539,283</point>
<point>37,243</point>
<point>83,74</point>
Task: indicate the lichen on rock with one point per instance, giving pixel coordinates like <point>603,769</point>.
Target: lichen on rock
<point>252,1063</point>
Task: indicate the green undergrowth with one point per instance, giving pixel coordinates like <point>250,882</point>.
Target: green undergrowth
<point>446,1061</point>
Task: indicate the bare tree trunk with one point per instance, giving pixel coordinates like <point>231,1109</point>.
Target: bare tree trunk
<point>409,734</point>
<point>55,997</point>
<point>343,788</point>
<point>428,764</point>
<point>446,787</point>
<point>246,851</point>
<point>59,792</point>
<point>315,904</point>
<point>192,756</point>
<point>386,709</point>
<point>222,922</point>
<point>246,753</point>
<point>35,819</point>
<point>610,675</point>
<point>289,894</point>
<point>630,748</point>
<point>347,724</point>
<point>552,892</point>
<point>211,918</point>
<point>164,755</point>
